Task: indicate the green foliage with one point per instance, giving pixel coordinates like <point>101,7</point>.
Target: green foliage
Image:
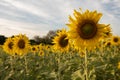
<point>101,65</point>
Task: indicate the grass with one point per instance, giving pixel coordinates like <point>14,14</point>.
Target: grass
<point>101,65</point>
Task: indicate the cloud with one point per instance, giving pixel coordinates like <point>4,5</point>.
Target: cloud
<point>112,14</point>
<point>20,27</point>
<point>29,8</point>
<point>40,16</point>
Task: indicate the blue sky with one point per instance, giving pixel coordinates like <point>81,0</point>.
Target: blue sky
<point>37,17</point>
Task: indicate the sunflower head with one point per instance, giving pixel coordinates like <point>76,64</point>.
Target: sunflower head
<point>41,53</point>
<point>118,65</point>
<point>108,32</point>
<point>21,44</point>
<point>8,46</point>
<point>84,29</point>
<point>34,48</point>
<point>38,47</point>
<point>108,44</point>
<point>61,41</point>
<point>1,46</point>
<point>82,54</point>
<point>115,40</point>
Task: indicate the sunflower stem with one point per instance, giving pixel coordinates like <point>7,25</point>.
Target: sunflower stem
<point>86,66</point>
<point>11,62</point>
<point>26,64</point>
<point>12,68</point>
<point>59,71</point>
<point>59,67</point>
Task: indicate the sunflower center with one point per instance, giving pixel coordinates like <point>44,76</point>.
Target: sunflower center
<point>108,44</point>
<point>10,45</point>
<point>63,42</point>
<point>38,47</point>
<point>21,44</point>
<point>41,53</point>
<point>33,49</point>
<point>88,30</point>
<point>115,39</point>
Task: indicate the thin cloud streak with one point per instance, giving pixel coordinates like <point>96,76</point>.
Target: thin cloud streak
<point>29,8</point>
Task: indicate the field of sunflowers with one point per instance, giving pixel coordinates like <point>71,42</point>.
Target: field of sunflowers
<point>86,51</point>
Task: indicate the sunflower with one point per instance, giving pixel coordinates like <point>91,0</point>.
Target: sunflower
<point>41,46</point>
<point>115,40</point>
<point>8,46</point>
<point>34,49</point>
<point>60,41</point>
<point>47,47</point>
<point>1,47</point>
<point>38,47</point>
<point>82,54</point>
<point>21,45</point>
<point>108,44</point>
<point>41,53</point>
<point>108,32</point>
<point>84,29</point>
<point>118,65</point>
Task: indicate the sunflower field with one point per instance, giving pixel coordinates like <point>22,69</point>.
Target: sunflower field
<point>86,51</point>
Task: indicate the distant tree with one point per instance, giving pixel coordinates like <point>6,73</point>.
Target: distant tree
<point>2,39</point>
<point>51,34</point>
<point>46,39</point>
<point>32,42</point>
<point>12,36</point>
<point>37,39</point>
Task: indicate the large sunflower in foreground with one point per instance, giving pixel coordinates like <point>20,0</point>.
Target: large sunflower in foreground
<point>60,41</point>
<point>21,45</point>
<point>8,46</point>
<point>84,29</point>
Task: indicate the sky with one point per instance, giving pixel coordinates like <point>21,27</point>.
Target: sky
<point>37,17</point>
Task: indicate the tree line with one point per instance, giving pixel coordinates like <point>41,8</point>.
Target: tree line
<point>36,39</point>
